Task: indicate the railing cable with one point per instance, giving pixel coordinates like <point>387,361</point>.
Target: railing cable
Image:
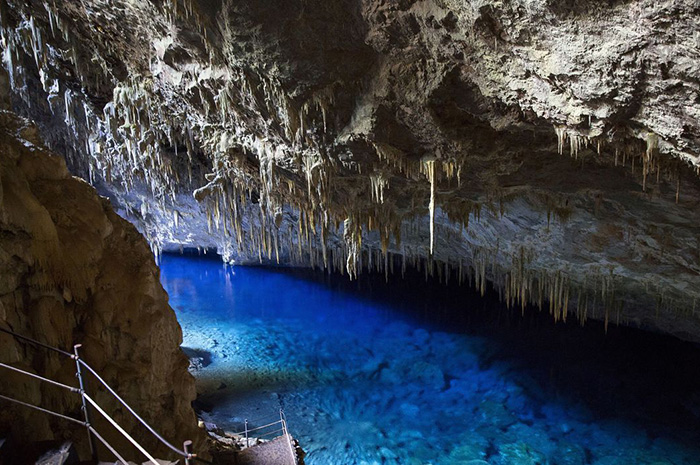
<point>264,426</point>
<point>84,396</point>
<point>285,433</point>
<point>50,412</point>
<point>46,380</point>
<point>283,419</point>
<point>34,341</point>
<point>120,429</point>
<point>108,445</point>
<point>136,415</point>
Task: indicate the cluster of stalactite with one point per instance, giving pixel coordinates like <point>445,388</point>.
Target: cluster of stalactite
<point>641,154</point>
<point>273,196</point>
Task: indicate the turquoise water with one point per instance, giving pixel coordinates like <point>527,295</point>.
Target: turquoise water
<point>420,373</point>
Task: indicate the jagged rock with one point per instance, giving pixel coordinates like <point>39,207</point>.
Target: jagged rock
<point>472,449</point>
<point>550,147</point>
<point>495,414</point>
<point>75,272</point>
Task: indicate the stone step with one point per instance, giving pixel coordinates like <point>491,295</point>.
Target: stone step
<point>275,452</point>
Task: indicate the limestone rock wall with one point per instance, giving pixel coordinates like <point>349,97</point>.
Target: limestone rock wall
<point>73,271</point>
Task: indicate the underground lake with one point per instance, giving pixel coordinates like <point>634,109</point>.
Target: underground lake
<point>416,372</point>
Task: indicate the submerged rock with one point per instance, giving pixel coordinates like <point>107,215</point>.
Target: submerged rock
<point>568,454</point>
<point>519,453</point>
<point>536,438</point>
<point>472,448</point>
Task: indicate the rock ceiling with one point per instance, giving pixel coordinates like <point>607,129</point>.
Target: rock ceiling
<point>549,147</point>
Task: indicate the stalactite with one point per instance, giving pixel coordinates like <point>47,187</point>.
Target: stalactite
<point>395,158</point>
<point>352,232</point>
<point>378,182</point>
<point>428,168</point>
<point>561,138</point>
<point>138,119</point>
<point>652,141</point>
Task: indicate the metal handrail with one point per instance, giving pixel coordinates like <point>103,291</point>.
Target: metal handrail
<point>274,433</point>
<point>141,420</point>
<point>285,432</point>
<point>47,380</point>
<point>74,420</point>
<point>107,445</point>
<point>120,429</point>
<point>86,411</point>
<point>50,412</point>
<point>283,418</point>
<point>34,341</point>
<point>84,396</point>
<point>264,426</point>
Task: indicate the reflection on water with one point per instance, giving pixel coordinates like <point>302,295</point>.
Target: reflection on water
<point>420,373</point>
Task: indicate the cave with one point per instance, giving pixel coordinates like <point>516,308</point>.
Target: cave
<point>353,232</point>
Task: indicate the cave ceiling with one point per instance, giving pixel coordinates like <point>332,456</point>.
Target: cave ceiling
<point>551,148</point>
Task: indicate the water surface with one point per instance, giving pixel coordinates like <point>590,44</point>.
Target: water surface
<point>421,373</point>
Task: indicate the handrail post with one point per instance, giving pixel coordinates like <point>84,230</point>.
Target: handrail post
<point>86,414</point>
<point>288,437</point>
<point>246,432</point>
<point>85,399</point>
<point>187,446</point>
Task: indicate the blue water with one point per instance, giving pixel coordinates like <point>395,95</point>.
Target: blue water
<point>416,373</point>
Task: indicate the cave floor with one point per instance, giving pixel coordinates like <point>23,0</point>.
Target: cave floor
<point>364,381</point>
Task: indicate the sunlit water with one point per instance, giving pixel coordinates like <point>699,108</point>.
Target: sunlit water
<point>393,379</point>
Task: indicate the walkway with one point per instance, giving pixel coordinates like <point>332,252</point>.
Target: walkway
<point>275,452</point>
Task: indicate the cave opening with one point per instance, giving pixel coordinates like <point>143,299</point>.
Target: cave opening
<point>409,370</point>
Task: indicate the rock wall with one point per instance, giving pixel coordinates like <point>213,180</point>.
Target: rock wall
<point>73,271</point>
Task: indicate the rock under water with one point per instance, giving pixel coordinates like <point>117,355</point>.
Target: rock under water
<point>415,372</point>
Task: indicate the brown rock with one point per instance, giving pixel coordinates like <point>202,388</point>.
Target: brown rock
<point>75,272</point>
